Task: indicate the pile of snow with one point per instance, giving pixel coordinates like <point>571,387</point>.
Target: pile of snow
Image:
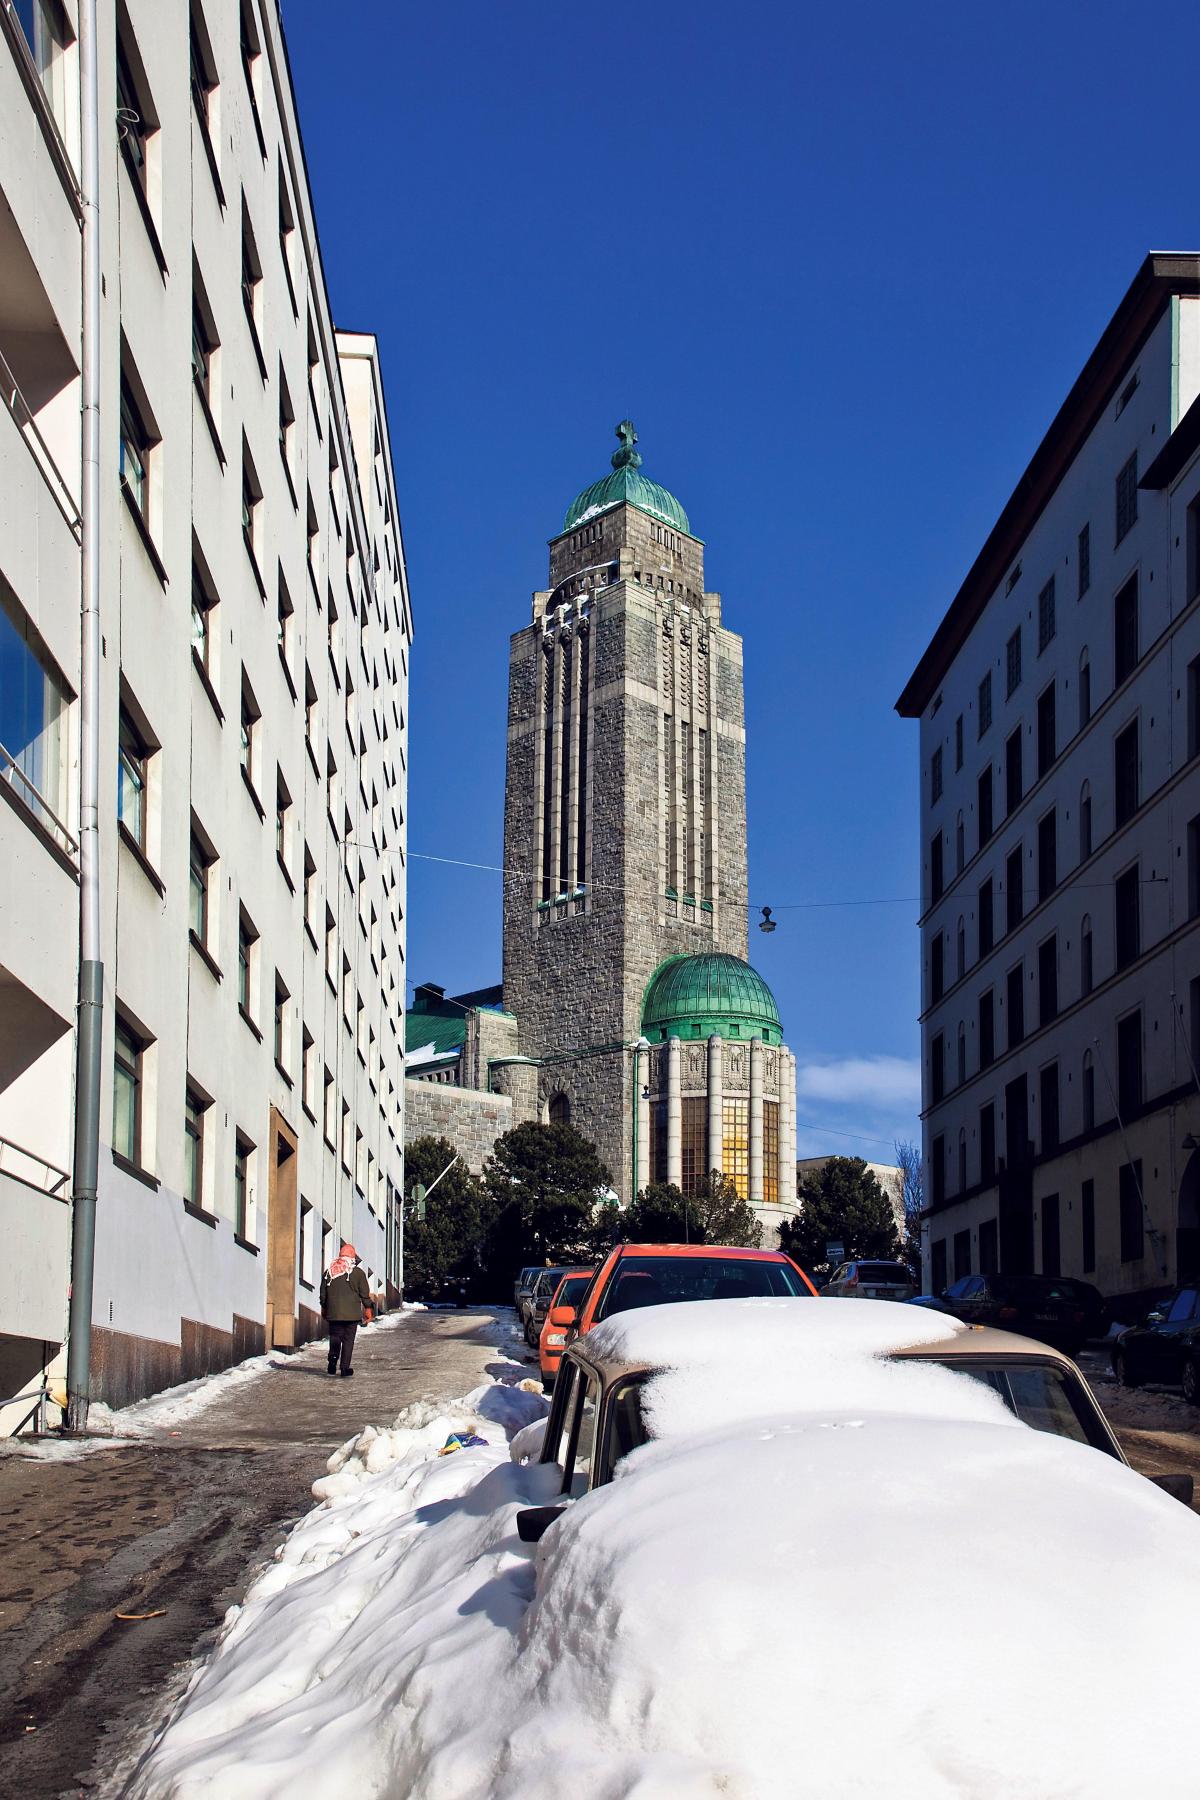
<point>895,1593</point>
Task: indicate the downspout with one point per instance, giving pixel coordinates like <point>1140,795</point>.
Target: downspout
<point>91,970</point>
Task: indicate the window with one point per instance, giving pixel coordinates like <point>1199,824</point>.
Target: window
<point>1085,688</point>
<point>985,806</point>
<point>1087,1217</point>
<point>936,878</point>
<point>987,1029</point>
<point>1193,704</point>
<point>133,755</point>
<point>1129,1064</point>
<point>1048,980</point>
<point>985,703</point>
<point>251,499</point>
<point>1013,783</point>
<point>962,1054</point>
<point>958,742</point>
<point>252,286</point>
<point>1046,626</point>
<point>136,124</point>
<point>1125,773</point>
<point>1085,561</point>
<point>1127,906</point>
<point>938,1274</point>
<point>962,948</point>
<point>937,1068</point>
<point>1015,1002</point>
<point>308,1070</point>
<point>987,1143</point>
<point>1017,1146</point>
<point>127,1093</point>
<point>251,50</point>
<point>285,628</point>
<point>960,845</point>
<point>242,1149</point>
<point>282,1036</point>
<point>1088,1092</point>
<point>194,1109</point>
<point>1012,663</point>
<point>200,861</point>
<point>1051,1253</point>
<point>283,825</point>
<point>1126,497</point>
<point>1013,895</point>
<point>312,892</point>
<point>310,712</point>
<point>205,346</point>
<point>203,634</point>
<point>1193,858</point>
<point>137,443</point>
<point>287,430</point>
<point>1048,1102</point>
<point>47,32</point>
<point>331,956</point>
<point>204,81</point>
<point>287,238</point>
<point>1047,854</point>
<point>962,1188</point>
<point>251,713</point>
<point>330,1110</point>
<point>1133,1240</point>
<point>1047,748</point>
<point>33,712</point>
<point>247,959</point>
<point>1085,821</point>
<point>986,917</point>
<point>936,967</point>
<point>935,776</point>
<point>1125,632</point>
<point>735,1143</point>
<point>937,1171</point>
<point>1085,955</point>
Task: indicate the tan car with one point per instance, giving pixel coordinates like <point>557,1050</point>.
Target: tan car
<point>596,1416</point>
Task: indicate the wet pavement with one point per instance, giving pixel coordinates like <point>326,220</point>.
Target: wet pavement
<point>175,1526</point>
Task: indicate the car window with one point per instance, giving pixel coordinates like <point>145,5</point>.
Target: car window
<point>562,1415</point>
<point>1182,1306</point>
<point>883,1271</point>
<point>578,1462</point>
<point>1044,1397</point>
<point>959,1289</point>
<point>626,1427</point>
<point>661,1280</point>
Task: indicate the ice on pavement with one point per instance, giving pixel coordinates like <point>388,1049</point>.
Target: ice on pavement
<point>899,1592</point>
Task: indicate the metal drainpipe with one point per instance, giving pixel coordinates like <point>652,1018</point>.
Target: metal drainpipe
<point>91,969</point>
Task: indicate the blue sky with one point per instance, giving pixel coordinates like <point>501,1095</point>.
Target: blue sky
<point>840,266</point>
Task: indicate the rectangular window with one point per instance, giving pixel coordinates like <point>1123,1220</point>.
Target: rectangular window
<point>1125,632</point>
<point>1129,1064</point>
<point>958,742</point>
<point>247,938</point>
<point>937,1068</point>
<point>1125,773</point>
<point>1085,691</point>
<point>200,861</point>
<point>1193,860</point>
<point>135,123</point>
<point>1017,1146</point>
<point>1051,1253</point>
<point>1087,1219</point>
<point>203,606</point>
<point>1047,854</point>
<point>1013,890</point>
<point>33,706</point>
<point>1126,497</point>
<point>308,1070</point>
<point>986,917</point>
<point>248,738</point>
<point>1046,626</point>
<point>938,1273</point>
<point>283,824</point>
<point>127,1093</point>
<point>985,806</point>
<point>935,776</point>
<point>1013,771</point>
<point>937,1170</point>
<point>694,1142</point>
<point>1085,561</point>
<point>241,1186</point>
<point>1015,1002</point>
<point>252,285</point>
<point>1048,980</point>
<point>282,1035</point>
<point>735,1144</point>
<point>989,1248</point>
<point>1047,747</point>
<point>133,756</point>
<point>962,1254</point>
<point>985,703</point>
<point>1133,1235</point>
<point>135,447</point>
<point>203,347</point>
<point>1012,663</point>
<point>1048,1102</point>
<point>194,1108</point>
<point>987,1143</point>
<point>937,967</point>
<point>1193,705</point>
<point>987,1029</point>
<point>936,876</point>
<point>251,500</point>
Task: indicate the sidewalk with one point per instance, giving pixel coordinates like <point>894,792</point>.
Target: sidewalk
<point>175,1524</point>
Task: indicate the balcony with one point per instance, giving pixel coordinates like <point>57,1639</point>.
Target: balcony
<point>35,1223</point>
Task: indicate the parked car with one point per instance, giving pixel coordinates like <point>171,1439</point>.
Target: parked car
<point>1054,1309</point>
<point>872,1281</point>
<point>541,1292</point>
<point>522,1286</point>
<point>552,1338</point>
<point>1165,1346</point>
<point>634,1275</point>
<point>596,1417</point>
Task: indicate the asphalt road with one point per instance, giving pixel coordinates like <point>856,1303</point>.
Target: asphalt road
<point>176,1526</point>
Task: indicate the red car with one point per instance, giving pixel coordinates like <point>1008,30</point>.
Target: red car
<point>553,1338</point>
<point>659,1274</point>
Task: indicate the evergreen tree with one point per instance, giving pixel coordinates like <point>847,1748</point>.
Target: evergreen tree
<point>713,1214</point>
<point>443,1253</point>
<point>546,1184</point>
<point>842,1202</point>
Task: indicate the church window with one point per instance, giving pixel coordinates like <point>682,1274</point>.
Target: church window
<point>560,1110</point>
<point>582,764</point>
<point>735,1147</point>
<point>771,1152</point>
<point>548,781</point>
<point>694,1134</point>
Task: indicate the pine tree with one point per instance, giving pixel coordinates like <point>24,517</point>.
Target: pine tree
<point>842,1202</point>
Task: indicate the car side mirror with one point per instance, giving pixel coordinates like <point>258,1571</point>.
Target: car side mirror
<point>563,1315</point>
<point>1180,1487</point>
<point>533,1522</point>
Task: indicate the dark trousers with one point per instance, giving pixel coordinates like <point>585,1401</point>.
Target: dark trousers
<point>341,1339</point>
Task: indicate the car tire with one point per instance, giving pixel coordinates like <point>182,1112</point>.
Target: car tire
<point>1191,1381</point>
<point>1122,1371</point>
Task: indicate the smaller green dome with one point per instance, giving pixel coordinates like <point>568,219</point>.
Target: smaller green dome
<point>626,485</point>
<point>695,996</point>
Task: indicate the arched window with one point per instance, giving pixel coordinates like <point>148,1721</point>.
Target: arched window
<point>962,949</point>
<point>960,843</point>
<point>1085,688</point>
<point>560,1110</point>
<point>1089,1092</point>
<point>1085,821</point>
<point>1085,955</point>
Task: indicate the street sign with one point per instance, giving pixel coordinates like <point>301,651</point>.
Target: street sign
<point>418,1200</point>
<point>835,1250</point>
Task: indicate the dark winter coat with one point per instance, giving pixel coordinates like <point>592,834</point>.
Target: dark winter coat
<point>345,1296</point>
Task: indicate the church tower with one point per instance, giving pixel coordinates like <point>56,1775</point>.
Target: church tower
<point>625,825</point>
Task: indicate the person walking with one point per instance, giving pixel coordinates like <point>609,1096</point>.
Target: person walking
<point>345,1302</point>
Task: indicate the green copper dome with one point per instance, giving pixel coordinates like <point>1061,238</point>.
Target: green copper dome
<point>695,996</point>
<point>626,485</point>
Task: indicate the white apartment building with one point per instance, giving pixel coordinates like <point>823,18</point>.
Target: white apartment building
<point>1059,703</point>
<point>256,632</point>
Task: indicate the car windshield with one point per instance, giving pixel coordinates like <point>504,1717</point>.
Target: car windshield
<point>884,1272</point>
<point>661,1280</point>
<point>1042,1396</point>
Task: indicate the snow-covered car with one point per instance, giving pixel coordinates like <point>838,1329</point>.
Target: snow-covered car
<point>598,1417</point>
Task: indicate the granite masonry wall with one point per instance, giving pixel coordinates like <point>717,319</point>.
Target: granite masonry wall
<point>472,1121</point>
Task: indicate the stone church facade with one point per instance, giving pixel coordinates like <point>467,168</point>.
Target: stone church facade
<point>627,1005</point>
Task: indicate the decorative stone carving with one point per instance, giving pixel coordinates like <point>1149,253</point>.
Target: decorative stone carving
<point>736,1072</point>
<point>695,1066</point>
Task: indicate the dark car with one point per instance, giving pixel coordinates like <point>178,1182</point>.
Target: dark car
<point>1165,1346</point>
<point>537,1305</point>
<point>1055,1309</point>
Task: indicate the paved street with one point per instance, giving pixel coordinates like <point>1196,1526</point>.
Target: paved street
<point>176,1525</point>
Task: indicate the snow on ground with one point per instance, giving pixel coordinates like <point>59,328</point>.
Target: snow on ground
<point>826,1575</point>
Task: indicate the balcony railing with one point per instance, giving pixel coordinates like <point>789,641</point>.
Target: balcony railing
<point>12,772</point>
<point>33,1170</point>
<point>39,449</point>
